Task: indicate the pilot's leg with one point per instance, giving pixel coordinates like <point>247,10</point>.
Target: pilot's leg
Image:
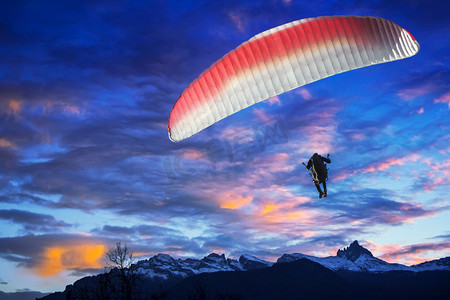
<point>318,189</point>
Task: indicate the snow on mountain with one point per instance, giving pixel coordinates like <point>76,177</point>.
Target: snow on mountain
<point>249,262</point>
<point>165,267</point>
<point>353,252</point>
<point>165,270</point>
<point>438,264</point>
<point>353,258</point>
<point>331,262</point>
<point>357,258</point>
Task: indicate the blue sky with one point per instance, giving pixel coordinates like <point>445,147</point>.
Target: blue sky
<point>85,161</point>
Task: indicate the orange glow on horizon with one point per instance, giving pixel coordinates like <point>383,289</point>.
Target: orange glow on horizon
<point>60,258</point>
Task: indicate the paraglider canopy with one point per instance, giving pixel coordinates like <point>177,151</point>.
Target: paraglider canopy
<point>284,58</point>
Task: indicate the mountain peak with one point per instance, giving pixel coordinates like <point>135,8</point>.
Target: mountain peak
<point>353,252</point>
<point>249,262</point>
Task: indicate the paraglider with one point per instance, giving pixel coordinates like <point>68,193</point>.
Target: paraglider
<point>284,58</point>
<point>319,172</point>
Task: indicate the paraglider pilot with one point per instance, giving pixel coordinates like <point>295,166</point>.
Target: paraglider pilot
<point>319,172</point>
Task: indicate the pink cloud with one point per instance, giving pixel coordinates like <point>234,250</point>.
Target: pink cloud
<point>262,115</point>
<point>436,183</point>
<point>241,132</point>
<point>6,144</point>
<point>304,93</point>
<point>193,154</point>
<point>381,166</point>
<point>378,166</point>
<point>320,138</point>
<point>341,176</point>
<point>443,99</point>
<point>356,135</point>
<point>420,111</point>
<point>440,176</point>
<point>410,254</point>
<point>71,110</point>
<point>444,151</point>
<point>15,106</point>
<point>410,94</point>
<point>274,163</point>
<point>274,100</point>
<point>237,19</point>
<point>12,108</point>
<point>56,107</point>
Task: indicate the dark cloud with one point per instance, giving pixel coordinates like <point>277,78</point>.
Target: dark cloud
<point>137,232</point>
<point>27,250</point>
<point>444,237</point>
<point>33,222</point>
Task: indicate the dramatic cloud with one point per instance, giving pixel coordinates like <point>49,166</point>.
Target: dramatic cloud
<point>33,222</point>
<point>85,93</point>
<point>69,257</point>
<point>51,254</point>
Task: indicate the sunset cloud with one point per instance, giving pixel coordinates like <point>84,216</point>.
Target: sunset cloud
<point>50,254</point>
<point>443,99</point>
<point>410,254</point>
<point>5,143</point>
<point>262,115</point>
<point>379,166</point>
<point>412,93</point>
<point>60,258</point>
<point>274,100</point>
<point>238,19</point>
<point>383,165</point>
<point>15,106</point>
<point>304,93</point>
<point>233,202</point>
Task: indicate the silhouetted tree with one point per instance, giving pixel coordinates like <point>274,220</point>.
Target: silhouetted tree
<point>121,258</point>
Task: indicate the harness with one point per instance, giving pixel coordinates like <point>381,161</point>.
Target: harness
<point>320,172</point>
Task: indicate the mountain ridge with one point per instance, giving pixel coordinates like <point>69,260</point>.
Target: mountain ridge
<point>164,270</point>
<point>353,258</point>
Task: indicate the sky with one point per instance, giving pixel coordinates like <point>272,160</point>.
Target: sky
<point>86,89</point>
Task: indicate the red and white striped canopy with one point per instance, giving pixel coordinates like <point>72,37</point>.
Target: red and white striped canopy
<point>284,58</point>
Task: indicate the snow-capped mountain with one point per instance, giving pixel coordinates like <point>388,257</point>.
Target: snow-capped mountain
<point>438,264</point>
<point>164,266</point>
<point>353,258</point>
<point>249,262</point>
<point>359,259</point>
<point>162,272</point>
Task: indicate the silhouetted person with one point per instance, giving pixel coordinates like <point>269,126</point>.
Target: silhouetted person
<point>319,172</point>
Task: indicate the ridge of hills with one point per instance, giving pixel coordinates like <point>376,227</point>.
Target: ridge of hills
<point>352,271</point>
